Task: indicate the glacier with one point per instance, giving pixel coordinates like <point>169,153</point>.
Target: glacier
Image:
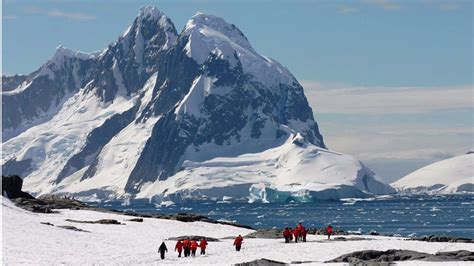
<point>168,117</point>
<point>453,175</point>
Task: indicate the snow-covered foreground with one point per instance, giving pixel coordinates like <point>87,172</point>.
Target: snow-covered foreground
<point>26,241</point>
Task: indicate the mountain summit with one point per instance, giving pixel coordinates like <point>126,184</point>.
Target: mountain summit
<point>169,116</point>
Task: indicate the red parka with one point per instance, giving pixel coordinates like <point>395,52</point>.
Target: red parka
<point>304,232</point>
<point>286,233</point>
<point>194,245</point>
<point>329,229</point>
<point>203,244</point>
<point>179,246</point>
<point>238,241</point>
<point>186,243</point>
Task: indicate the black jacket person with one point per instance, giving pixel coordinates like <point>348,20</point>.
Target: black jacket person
<point>162,249</point>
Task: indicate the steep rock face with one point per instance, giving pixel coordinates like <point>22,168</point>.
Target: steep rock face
<point>115,123</point>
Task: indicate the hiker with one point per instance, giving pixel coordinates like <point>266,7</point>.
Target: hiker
<point>299,230</point>
<point>304,232</point>
<point>162,249</point>
<point>238,242</point>
<point>329,231</point>
<point>287,235</point>
<point>194,246</point>
<point>179,247</point>
<point>296,234</point>
<point>186,244</point>
<point>203,245</point>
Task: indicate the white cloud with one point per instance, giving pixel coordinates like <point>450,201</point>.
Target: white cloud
<point>9,17</point>
<point>449,6</point>
<point>339,98</point>
<point>379,141</point>
<point>384,4</point>
<point>77,16</point>
<point>72,16</point>
<point>347,9</point>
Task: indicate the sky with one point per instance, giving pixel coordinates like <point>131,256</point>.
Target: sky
<point>390,82</point>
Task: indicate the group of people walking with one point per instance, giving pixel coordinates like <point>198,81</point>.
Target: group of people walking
<point>190,247</point>
<point>300,232</point>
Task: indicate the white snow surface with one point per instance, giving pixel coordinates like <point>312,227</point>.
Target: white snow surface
<point>51,144</point>
<point>26,241</point>
<point>446,176</point>
<point>304,173</point>
<point>209,34</point>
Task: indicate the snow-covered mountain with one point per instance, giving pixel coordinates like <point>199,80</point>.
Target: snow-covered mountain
<point>159,114</point>
<point>454,175</point>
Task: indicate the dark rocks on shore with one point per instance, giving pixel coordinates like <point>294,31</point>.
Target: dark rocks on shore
<point>11,187</point>
<point>137,220</point>
<point>266,233</point>
<point>261,262</point>
<point>392,255</point>
<point>275,233</point>
<point>47,203</point>
<point>197,238</point>
<point>69,227</point>
<point>433,238</point>
<point>102,221</point>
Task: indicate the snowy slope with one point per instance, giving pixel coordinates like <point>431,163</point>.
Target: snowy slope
<point>26,241</point>
<point>293,171</point>
<point>143,115</point>
<point>447,176</point>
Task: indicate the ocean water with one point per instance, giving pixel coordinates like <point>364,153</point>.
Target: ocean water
<point>415,215</point>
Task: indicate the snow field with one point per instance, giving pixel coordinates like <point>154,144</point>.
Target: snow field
<point>26,241</point>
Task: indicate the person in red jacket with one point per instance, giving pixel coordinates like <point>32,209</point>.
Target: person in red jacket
<point>238,242</point>
<point>296,234</point>
<point>203,245</point>
<point>287,235</point>
<point>299,229</point>
<point>186,244</point>
<point>194,247</point>
<point>304,232</point>
<point>179,248</point>
<point>329,231</point>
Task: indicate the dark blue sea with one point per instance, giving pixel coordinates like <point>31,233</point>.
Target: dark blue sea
<point>419,215</point>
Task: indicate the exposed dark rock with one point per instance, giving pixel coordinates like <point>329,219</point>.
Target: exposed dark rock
<point>374,233</point>
<point>102,221</point>
<point>33,205</point>
<point>392,255</point>
<point>11,187</point>
<point>261,262</point>
<point>275,233</point>
<point>138,220</point>
<point>197,238</point>
<point>69,227</point>
<point>322,231</point>
<point>266,233</point>
<point>47,223</point>
<point>433,238</point>
<point>47,203</point>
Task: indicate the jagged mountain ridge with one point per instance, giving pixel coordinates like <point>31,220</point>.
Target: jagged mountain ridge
<point>110,123</point>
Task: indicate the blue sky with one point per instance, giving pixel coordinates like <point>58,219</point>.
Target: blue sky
<point>390,81</point>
